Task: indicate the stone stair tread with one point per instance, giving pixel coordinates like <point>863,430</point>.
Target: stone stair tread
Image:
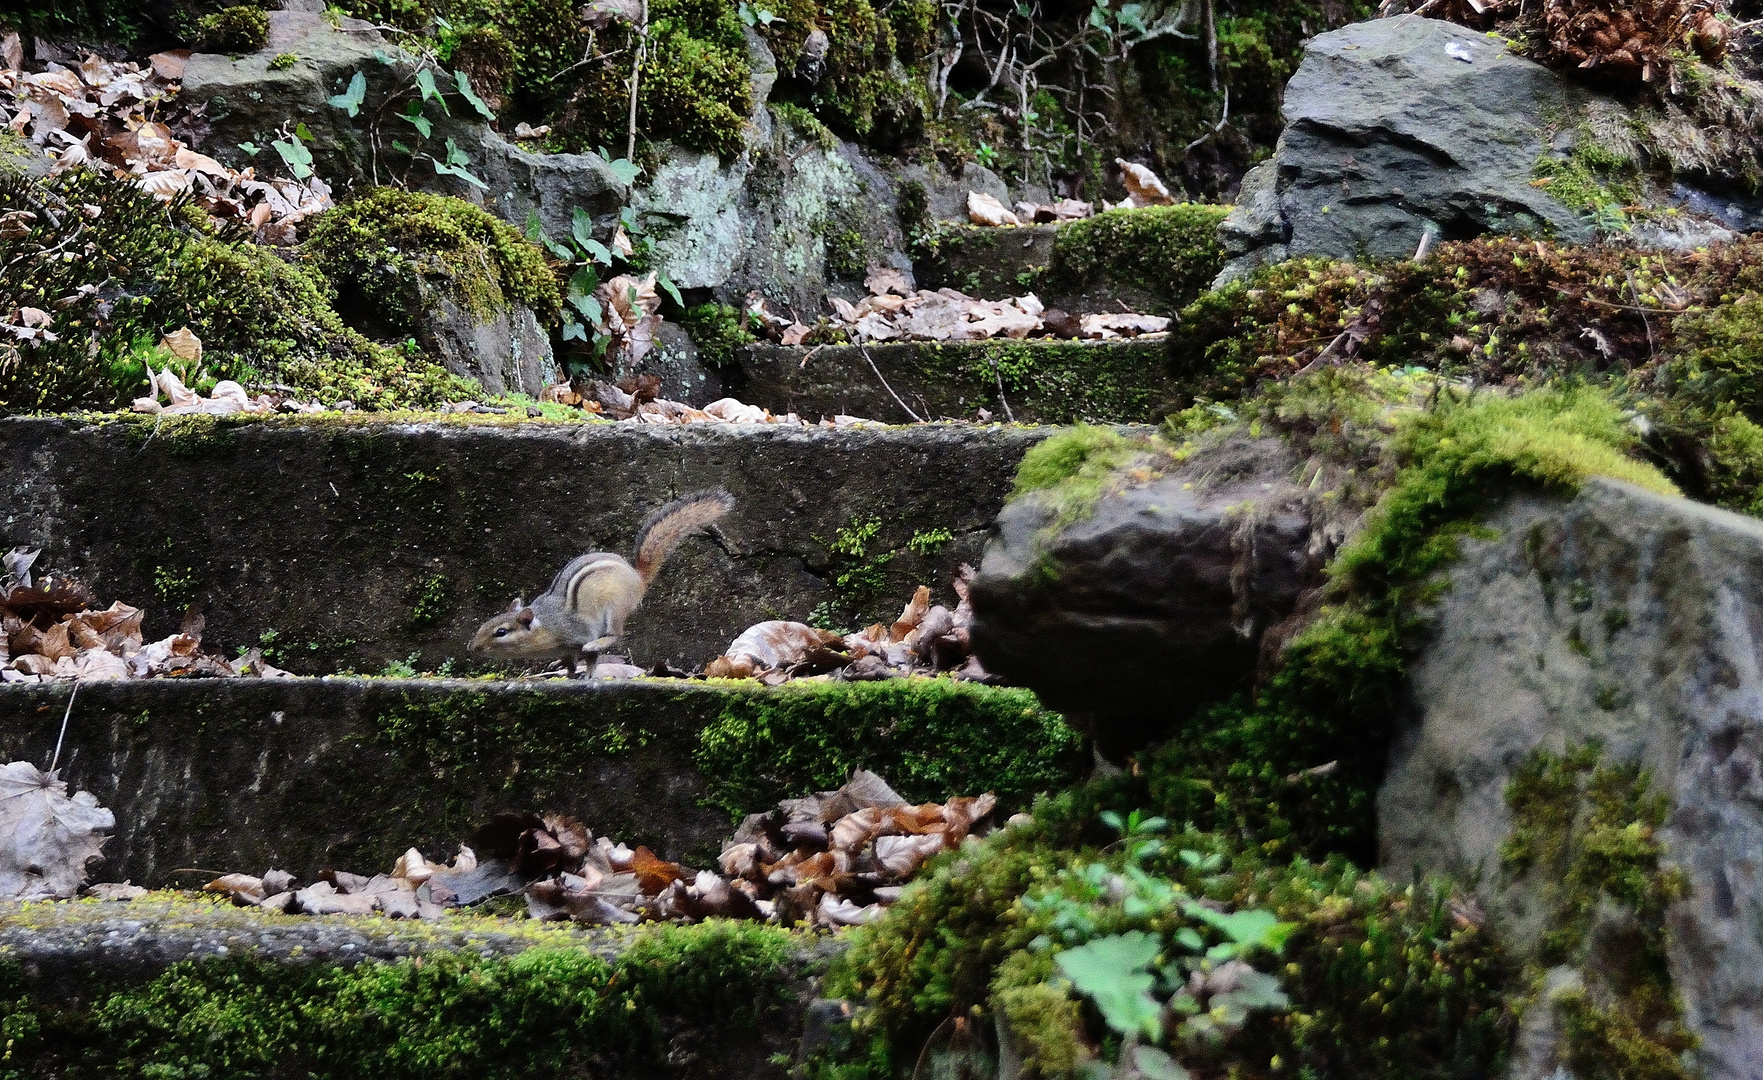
<point>350,544</point>
<point>346,773</point>
<point>1034,381</point>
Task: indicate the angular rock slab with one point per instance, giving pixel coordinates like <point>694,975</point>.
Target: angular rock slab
<point>1636,621</point>
<point>1157,602</point>
<point>1395,127</point>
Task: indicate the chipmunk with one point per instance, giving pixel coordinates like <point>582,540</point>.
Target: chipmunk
<point>583,611</point>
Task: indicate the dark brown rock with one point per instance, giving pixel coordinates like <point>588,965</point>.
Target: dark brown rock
<point>1156,602</point>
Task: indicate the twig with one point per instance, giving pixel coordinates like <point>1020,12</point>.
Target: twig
<point>1425,244</point>
<point>56,758</point>
<point>1652,351</point>
<point>630,146</point>
<point>865,350</point>
<point>1327,351</point>
<point>996,374</point>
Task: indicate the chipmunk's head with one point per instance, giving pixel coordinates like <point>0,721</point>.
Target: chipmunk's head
<point>508,634</point>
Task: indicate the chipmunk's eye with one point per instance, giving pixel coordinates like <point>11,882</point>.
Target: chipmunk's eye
<point>501,631</point>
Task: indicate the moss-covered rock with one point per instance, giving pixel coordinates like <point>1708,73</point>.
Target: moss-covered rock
<point>338,997</point>
<point>464,285</point>
<point>158,267</point>
<point>694,87</point>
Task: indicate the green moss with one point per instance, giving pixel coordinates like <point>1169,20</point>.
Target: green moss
<point>1076,465</point>
<point>929,737</point>
<point>432,602</point>
<point>390,249</point>
<point>1171,252</point>
<point>806,125</point>
<point>283,61</point>
<point>548,1010</point>
<point>1383,980</point>
<point>239,29</point>
<point>694,88</point>
<point>718,330</point>
<point>1592,179</point>
<point>16,154</point>
<point>1585,833</point>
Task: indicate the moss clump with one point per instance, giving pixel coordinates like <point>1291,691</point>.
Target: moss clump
<point>694,88</point>
<point>1082,457</point>
<point>548,1010</point>
<point>1592,179</point>
<point>928,737</point>
<point>240,29</point>
<point>854,86</point>
<point>1170,252</point>
<point>718,330</point>
<point>1585,833</point>
<point>16,155</point>
<point>391,250</point>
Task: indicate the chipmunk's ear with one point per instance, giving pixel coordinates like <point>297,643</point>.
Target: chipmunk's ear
<point>525,616</point>
<point>515,606</point>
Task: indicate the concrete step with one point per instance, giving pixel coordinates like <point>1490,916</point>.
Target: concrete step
<point>308,774</point>
<point>1153,261</point>
<point>349,544</point>
<point>1040,381</point>
<point>175,985</point>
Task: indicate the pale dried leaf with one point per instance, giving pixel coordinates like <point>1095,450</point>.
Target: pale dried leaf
<point>1143,186</point>
<point>47,840</point>
<point>983,209</point>
<point>183,344</point>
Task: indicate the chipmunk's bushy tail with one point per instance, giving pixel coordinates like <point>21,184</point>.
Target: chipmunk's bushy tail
<point>667,527</point>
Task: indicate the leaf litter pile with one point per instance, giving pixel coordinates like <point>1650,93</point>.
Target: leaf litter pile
<point>895,311</point>
<point>118,117</point>
<point>52,629</point>
<point>927,639</point>
<point>638,400</point>
<point>836,858</point>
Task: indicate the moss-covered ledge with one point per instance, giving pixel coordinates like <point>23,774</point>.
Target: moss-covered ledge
<point>170,986</point>
<point>305,774</point>
<point>1155,259</point>
<point>1042,381</point>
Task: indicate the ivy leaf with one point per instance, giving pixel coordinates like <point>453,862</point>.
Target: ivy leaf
<point>669,288</point>
<point>534,230</point>
<point>295,156</point>
<point>1132,18</point>
<point>302,132</point>
<point>624,169</point>
<point>584,281</point>
<point>470,95</point>
<point>581,226</point>
<point>425,84</point>
<point>559,250</point>
<point>251,149</point>
<point>398,145</point>
<point>384,57</point>
<point>1250,929</point>
<point>350,100</point>
<point>589,307</point>
<point>573,331</point>
<point>1111,972</point>
<point>1156,1064</point>
<point>413,115</point>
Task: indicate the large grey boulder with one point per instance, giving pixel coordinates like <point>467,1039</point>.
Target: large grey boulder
<point>1395,127</point>
<point>1156,602</point>
<point>1628,620</point>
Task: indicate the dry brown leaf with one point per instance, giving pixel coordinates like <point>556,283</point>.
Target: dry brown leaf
<point>913,612</point>
<point>183,344</point>
<point>654,874</point>
<point>882,280</point>
<point>1143,186</point>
